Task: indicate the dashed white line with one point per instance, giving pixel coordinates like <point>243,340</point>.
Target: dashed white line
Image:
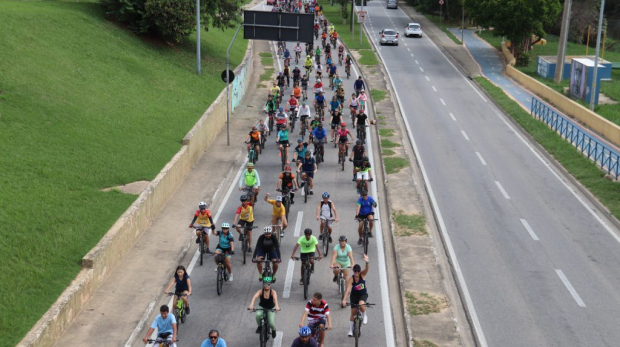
<point>300,216</point>
<point>443,102</point>
<point>453,118</point>
<point>412,55</point>
<point>465,135</point>
<point>481,159</point>
<point>516,91</point>
<point>428,79</point>
<point>408,49</point>
<point>529,229</point>
<point>570,288</point>
<point>434,89</point>
<point>290,269</point>
<point>501,189</point>
<point>277,342</point>
<point>416,61</point>
<point>405,44</point>
<point>421,69</point>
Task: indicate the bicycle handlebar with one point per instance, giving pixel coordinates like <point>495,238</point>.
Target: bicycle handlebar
<point>264,309</point>
<point>363,219</point>
<point>173,293</point>
<point>358,305</point>
<point>340,267</point>
<point>310,258</point>
<point>266,261</point>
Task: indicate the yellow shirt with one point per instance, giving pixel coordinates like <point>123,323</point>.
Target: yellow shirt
<point>277,211</point>
<point>247,213</point>
<point>203,218</point>
<point>275,90</point>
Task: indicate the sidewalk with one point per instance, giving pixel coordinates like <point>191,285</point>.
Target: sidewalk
<point>113,312</point>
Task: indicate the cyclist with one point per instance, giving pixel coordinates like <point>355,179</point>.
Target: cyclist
<point>271,105</point>
<point>308,63</point>
<point>340,53</point>
<point>332,72</point>
<point>296,75</point>
<point>353,105</point>
<point>356,286</point>
<point>318,73</point>
<point>253,140</point>
<point>263,129</point>
<point>267,244</point>
<point>316,29</point>
<point>287,56</point>
<point>297,51</point>
<point>343,257</point>
<point>304,86</point>
<point>183,286</point>
<point>303,113</point>
<point>282,141</point>
<point>361,120</point>
<point>268,300</point>
<point>336,116</point>
<point>281,119</point>
<point>331,29</point>
<point>278,212</point>
<point>287,74</point>
<point>340,95</point>
<point>317,55</point>
<point>348,61</point>
<point>275,91</point>
<point>319,103</point>
<point>304,339</point>
<point>362,98</point>
<point>317,311</point>
<point>250,178</point>
<point>357,155</point>
<point>300,150</point>
<point>323,38</point>
<point>325,212</point>
<point>358,85</point>
<point>307,167</point>
<point>364,210</point>
<point>203,217</point>
<point>166,326</point>
<point>328,58</point>
<point>364,172</point>
<point>319,137</point>
<point>318,87</point>
<point>308,246</point>
<point>334,37</point>
<point>280,79</point>
<point>245,216</point>
<point>286,180</point>
<point>343,137</point>
<point>337,82</point>
<point>214,340</point>
<point>225,245</point>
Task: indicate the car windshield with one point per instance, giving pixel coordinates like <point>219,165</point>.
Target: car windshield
<point>414,27</point>
<point>389,32</point>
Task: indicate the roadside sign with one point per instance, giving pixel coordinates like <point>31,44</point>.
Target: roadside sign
<point>361,16</point>
<point>230,74</point>
<point>276,26</point>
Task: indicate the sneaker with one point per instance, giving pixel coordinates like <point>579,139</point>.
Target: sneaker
<point>321,237</point>
<point>330,239</point>
<point>353,180</point>
<point>350,333</point>
<point>360,241</point>
<point>365,320</point>
<point>198,239</point>
<point>273,334</point>
<point>370,235</point>
<point>302,184</point>
<point>301,282</point>
<point>187,309</point>
<point>230,278</point>
<point>312,270</point>
<point>208,250</point>
<point>292,202</point>
<point>240,237</point>
<point>281,234</point>
<point>249,249</point>
<point>335,278</point>
<point>260,278</point>
<point>215,269</point>
<point>258,330</point>
<point>311,193</point>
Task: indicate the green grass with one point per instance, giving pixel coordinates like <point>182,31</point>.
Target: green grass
<point>381,117</point>
<point>443,26</point>
<point>393,165</point>
<point>584,170</point>
<point>420,304</point>
<point>387,152</point>
<point>84,105</point>
<point>378,94</point>
<point>385,143</point>
<point>609,88</point>
<point>425,343</point>
<point>386,132</point>
<point>268,75</point>
<point>409,224</point>
<point>383,123</point>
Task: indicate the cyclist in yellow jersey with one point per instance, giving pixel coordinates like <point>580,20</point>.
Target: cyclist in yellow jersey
<point>275,91</point>
<point>245,216</point>
<point>203,218</point>
<point>279,212</point>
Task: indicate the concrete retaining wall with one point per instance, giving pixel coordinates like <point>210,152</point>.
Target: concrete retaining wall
<point>598,124</point>
<point>510,59</point>
<point>119,240</point>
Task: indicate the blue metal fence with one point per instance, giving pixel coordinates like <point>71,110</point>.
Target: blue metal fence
<point>606,158</point>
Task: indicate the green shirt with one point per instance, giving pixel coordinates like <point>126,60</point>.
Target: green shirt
<point>308,246</point>
<point>342,257</point>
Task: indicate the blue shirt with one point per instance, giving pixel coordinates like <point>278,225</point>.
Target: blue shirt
<point>319,133</point>
<point>181,284</point>
<point>366,205</point>
<point>207,343</point>
<point>164,325</point>
<point>320,99</point>
<point>307,165</point>
<point>225,240</point>
<point>334,104</point>
<point>287,54</point>
<point>333,69</point>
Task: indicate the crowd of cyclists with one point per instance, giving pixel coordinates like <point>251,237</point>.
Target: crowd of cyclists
<point>282,114</point>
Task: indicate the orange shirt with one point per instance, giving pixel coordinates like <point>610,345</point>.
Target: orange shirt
<point>297,92</point>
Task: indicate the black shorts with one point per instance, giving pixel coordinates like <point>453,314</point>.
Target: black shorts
<point>254,142</point>
<point>245,223</point>
<point>284,143</point>
<point>306,255</point>
<point>356,298</point>
<point>335,125</point>
<point>357,163</point>
<point>364,216</point>
<point>223,250</point>
<point>310,174</point>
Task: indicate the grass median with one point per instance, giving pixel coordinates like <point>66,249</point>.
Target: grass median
<point>580,167</point>
<point>84,105</point>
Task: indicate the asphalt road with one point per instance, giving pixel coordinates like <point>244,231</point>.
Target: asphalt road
<point>537,263</point>
<point>228,313</point>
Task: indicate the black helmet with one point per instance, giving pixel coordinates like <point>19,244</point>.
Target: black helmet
<point>308,231</point>
<point>365,159</point>
<point>358,142</point>
<point>342,238</point>
<point>243,198</point>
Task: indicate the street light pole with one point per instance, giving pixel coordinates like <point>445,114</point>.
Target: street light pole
<point>559,66</point>
<point>598,48</point>
<point>198,37</point>
<point>463,23</point>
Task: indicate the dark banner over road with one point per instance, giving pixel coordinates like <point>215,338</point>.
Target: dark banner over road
<point>275,26</point>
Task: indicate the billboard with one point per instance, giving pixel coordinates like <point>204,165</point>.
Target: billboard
<point>276,26</point>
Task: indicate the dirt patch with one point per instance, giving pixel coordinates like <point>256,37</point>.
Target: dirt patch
<point>419,304</point>
<point>425,343</point>
<point>130,188</point>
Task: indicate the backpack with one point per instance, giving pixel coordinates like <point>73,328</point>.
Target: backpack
<point>329,203</point>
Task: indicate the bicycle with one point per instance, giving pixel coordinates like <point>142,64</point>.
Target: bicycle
<point>283,156</point>
<point>244,240</point>
<point>363,186</point>
<point>341,154</point>
<point>252,156</point>
<point>264,325</point>
<point>347,69</point>
<point>361,132</point>
<point>325,234</point>
<point>357,320</point>
<point>340,58</point>
<point>316,333</point>
<point>319,153</point>
<point>162,340</point>
<point>249,191</point>
<point>340,281</point>
<point>202,243</point>
<point>307,272</point>
<point>271,120</point>
<point>277,231</point>
<point>263,140</point>
<point>365,232</point>
<point>267,272</point>
<point>179,308</point>
<point>286,199</point>
<point>297,56</point>
<point>222,273</point>
<point>303,126</point>
<point>306,187</point>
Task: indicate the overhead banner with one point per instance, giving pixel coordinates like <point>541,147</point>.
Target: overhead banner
<point>276,26</point>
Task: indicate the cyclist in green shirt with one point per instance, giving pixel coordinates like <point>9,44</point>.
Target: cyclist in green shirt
<point>317,55</point>
<point>308,245</point>
<point>250,178</point>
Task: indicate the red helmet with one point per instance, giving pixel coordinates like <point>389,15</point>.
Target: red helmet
<point>343,124</point>
<point>288,168</point>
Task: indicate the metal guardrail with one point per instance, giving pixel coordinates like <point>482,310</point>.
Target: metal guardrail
<point>605,158</point>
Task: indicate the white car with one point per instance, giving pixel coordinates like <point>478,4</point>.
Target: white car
<point>388,36</point>
<point>413,29</point>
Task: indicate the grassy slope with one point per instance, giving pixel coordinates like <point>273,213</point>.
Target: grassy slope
<point>83,105</point>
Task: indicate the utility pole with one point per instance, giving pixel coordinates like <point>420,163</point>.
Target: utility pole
<point>198,37</point>
<point>598,48</point>
<point>559,66</point>
<point>463,24</point>
<point>351,22</point>
<point>362,5</point>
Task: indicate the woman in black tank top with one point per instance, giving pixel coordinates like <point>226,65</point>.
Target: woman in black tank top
<point>268,299</point>
<point>356,286</point>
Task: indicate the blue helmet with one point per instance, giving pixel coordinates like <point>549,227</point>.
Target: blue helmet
<point>281,109</point>
<point>326,195</point>
<point>305,331</point>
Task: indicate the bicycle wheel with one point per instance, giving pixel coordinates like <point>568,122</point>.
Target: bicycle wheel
<point>264,334</point>
<point>365,241</point>
<point>183,316</point>
<point>244,247</point>
<point>270,124</point>
<point>287,205</point>
<point>176,316</point>
<point>341,288</point>
<point>326,240</point>
<point>220,279</point>
<point>356,330</point>
<point>306,190</point>
<point>306,282</point>
<point>342,160</point>
<point>283,157</point>
<point>201,247</point>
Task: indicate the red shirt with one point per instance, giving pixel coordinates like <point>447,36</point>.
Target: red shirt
<point>315,312</point>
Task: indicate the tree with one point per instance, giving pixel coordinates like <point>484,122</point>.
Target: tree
<point>518,20</point>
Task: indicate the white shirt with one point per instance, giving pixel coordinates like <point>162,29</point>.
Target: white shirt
<point>303,111</point>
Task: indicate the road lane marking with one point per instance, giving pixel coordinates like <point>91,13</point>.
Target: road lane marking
<point>289,278</point>
<point>428,79</point>
<point>434,89</point>
<point>453,118</point>
<point>300,215</point>
<point>421,69</point>
<point>277,342</point>
<point>570,288</point>
<point>529,229</point>
<point>443,102</point>
<point>408,49</point>
<point>405,44</point>
<point>465,135</point>
<point>501,189</point>
<point>412,55</point>
<point>416,61</point>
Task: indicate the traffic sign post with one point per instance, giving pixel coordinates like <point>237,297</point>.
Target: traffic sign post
<point>440,11</point>
<point>361,16</point>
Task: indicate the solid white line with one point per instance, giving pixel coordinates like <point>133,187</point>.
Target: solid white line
<point>434,89</point>
<point>290,269</point>
<point>277,342</point>
<point>501,189</point>
<point>421,69</point>
<point>300,215</point>
<point>443,102</point>
<point>529,229</point>
<point>465,135</point>
<point>570,288</point>
<point>481,159</point>
<point>583,203</point>
<point>140,325</point>
<point>428,79</point>
<point>453,118</point>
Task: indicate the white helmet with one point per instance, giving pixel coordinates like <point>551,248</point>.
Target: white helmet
<point>267,230</point>
<point>202,205</point>
<point>279,198</point>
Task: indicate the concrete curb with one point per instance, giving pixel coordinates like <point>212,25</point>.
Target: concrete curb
<point>117,242</point>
